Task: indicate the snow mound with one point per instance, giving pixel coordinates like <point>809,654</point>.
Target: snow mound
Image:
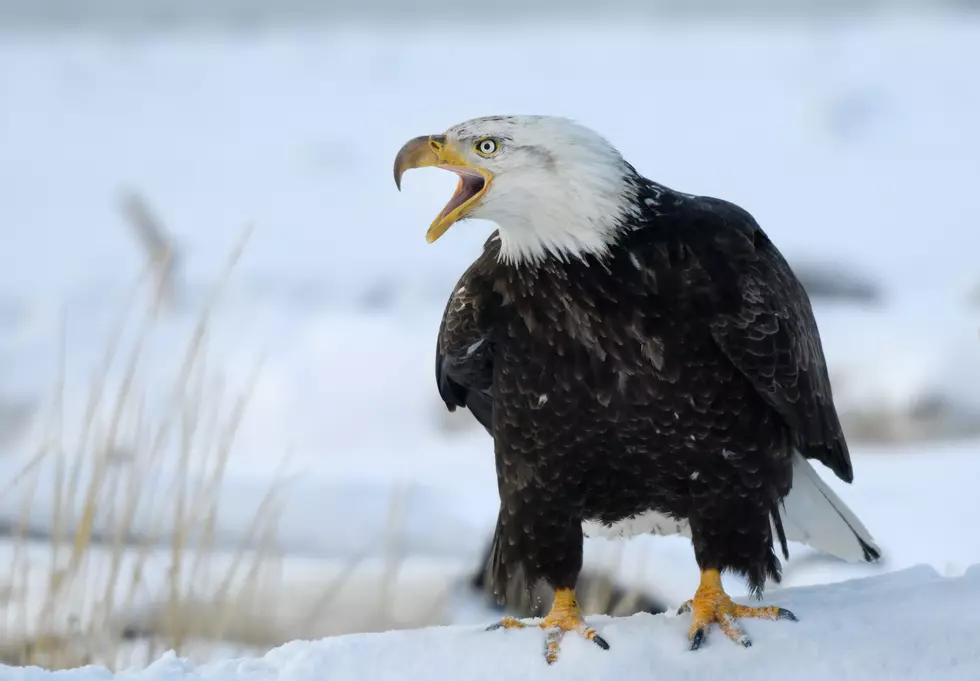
<point>912,624</point>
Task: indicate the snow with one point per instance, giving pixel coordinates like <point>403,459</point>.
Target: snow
<point>908,625</point>
<point>852,142</point>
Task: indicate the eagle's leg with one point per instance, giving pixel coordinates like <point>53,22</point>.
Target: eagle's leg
<point>712,605</point>
<point>544,544</point>
<point>565,616</point>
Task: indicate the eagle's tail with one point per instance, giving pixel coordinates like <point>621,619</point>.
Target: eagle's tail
<point>814,515</point>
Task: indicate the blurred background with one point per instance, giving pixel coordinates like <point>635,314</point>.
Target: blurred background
<point>219,429</point>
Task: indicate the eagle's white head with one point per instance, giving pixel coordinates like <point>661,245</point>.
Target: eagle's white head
<point>554,187</point>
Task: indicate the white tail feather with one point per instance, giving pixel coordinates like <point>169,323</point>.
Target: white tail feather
<point>814,515</point>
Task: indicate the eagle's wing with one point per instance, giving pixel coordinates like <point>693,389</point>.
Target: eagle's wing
<point>762,320</point>
<point>465,347</point>
<point>768,331</point>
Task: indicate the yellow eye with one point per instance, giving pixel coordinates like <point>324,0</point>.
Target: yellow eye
<point>486,146</point>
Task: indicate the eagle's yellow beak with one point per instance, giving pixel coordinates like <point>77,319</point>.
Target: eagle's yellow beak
<point>434,150</point>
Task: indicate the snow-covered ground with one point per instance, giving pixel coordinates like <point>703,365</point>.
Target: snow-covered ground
<point>908,625</point>
<point>852,143</point>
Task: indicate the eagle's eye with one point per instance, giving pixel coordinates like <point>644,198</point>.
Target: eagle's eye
<point>486,146</point>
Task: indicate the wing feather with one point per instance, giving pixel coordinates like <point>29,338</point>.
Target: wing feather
<point>465,347</point>
<point>771,336</point>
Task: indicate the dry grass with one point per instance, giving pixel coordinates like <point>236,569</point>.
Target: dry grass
<point>135,505</point>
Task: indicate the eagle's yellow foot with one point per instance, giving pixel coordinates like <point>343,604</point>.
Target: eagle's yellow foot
<point>712,604</point>
<point>564,616</point>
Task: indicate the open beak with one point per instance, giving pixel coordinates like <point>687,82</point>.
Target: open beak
<point>434,150</point>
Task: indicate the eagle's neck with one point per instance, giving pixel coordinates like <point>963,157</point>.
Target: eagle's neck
<point>575,219</point>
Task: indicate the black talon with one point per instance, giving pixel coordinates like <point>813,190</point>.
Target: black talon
<point>746,642</point>
<point>494,626</point>
<point>601,642</point>
<point>697,639</point>
<point>785,614</point>
<point>684,609</point>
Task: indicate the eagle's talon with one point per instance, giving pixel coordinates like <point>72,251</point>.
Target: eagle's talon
<point>507,623</point>
<point>552,645</point>
<point>697,638</point>
<point>557,627</point>
<point>711,605</point>
<point>784,614</point>
<point>565,616</point>
<point>599,641</point>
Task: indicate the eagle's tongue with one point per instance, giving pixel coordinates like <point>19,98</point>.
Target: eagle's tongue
<point>469,185</point>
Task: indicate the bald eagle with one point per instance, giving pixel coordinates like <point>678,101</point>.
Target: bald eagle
<point>645,361</point>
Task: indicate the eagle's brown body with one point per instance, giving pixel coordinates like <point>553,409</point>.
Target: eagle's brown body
<point>677,373</point>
